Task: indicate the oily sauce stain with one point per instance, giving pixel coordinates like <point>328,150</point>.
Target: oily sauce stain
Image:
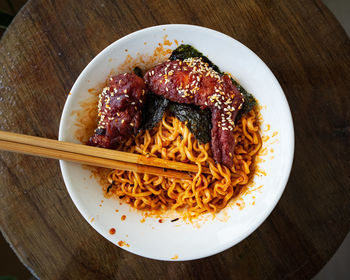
<point>122,243</point>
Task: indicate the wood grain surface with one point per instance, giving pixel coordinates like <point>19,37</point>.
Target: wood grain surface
<point>48,45</point>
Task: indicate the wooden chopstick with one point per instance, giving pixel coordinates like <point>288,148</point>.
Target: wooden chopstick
<point>88,160</point>
<point>97,156</point>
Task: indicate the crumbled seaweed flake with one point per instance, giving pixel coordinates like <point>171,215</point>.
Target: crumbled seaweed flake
<point>110,186</point>
<point>138,72</point>
<point>100,131</point>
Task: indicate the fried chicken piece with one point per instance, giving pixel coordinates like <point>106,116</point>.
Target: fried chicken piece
<point>192,81</point>
<point>119,110</point>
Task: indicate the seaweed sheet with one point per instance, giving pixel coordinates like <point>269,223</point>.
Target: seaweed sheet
<point>198,121</point>
<point>186,51</point>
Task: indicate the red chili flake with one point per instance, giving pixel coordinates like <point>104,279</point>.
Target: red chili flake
<point>160,221</point>
<point>123,217</point>
<point>112,231</point>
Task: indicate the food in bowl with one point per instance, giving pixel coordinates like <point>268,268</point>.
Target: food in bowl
<point>172,238</point>
<point>184,109</point>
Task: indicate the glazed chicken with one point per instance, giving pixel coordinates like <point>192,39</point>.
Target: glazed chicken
<point>192,81</point>
<point>119,110</point>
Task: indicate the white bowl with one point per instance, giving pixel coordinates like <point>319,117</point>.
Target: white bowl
<point>182,240</point>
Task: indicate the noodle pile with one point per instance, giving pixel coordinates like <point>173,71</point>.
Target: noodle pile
<point>172,140</point>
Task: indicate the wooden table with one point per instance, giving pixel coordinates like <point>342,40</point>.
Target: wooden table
<point>50,42</point>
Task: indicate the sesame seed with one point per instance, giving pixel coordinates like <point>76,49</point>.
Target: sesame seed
<point>222,98</point>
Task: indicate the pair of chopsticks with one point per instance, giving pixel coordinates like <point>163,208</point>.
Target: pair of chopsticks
<point>49,148</point>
